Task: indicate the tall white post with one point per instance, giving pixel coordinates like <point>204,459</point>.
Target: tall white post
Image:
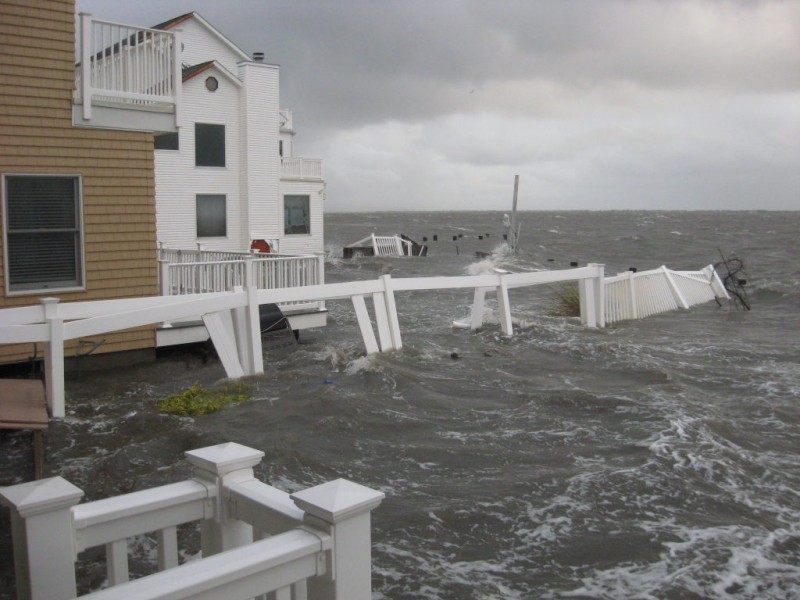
<point>478,304</point>
<point>222,466</point>
<point>54,358</point>
<point>632,295</point>
<point>504,307</point>
<point>44,546</point>
<point>391,311</point>
<point>86,65</point>
<point>177,76</point>
<point>254,352</point>
<point>600,294</point>
<point>342,508</point>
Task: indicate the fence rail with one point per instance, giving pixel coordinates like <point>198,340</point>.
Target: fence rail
<point>234,510</point>
<point>232,319</point>
<point>301,168</point>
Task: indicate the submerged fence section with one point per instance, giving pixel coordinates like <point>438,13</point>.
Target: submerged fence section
<point>255,539</point>
<point>633,295</point>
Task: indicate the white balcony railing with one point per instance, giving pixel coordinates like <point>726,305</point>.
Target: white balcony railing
<point>301,168</point>
<point>255,539</point>
<point>132,67</point>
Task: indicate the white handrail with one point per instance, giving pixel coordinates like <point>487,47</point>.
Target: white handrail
<point>125,64</point>
<point>322,533</point>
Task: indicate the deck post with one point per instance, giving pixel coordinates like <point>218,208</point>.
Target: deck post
<point>632,291</point>
<point>41,530</point>
<point>382,322</point>
<point>391,310</point>
<point>254,352</point>
<point>164,283</point>
<point>599,294</point>
<point>54,358</point>
<point>504,306</point>
<point>86,65</point>
<point>478,304</point>
<point>222,466</point>
<point>342,509</point>
<point>364,324</point>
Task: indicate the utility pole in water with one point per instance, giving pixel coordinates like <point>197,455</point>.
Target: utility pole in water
<point>512,227</point>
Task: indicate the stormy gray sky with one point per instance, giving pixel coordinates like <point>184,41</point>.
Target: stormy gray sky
<point>596,104</point>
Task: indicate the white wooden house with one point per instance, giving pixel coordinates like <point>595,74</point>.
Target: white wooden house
<point>228,177</point>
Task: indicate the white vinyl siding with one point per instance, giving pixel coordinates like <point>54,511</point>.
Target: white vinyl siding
<point>43,233</point>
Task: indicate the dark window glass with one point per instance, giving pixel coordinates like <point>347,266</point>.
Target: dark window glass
<point>296,214</point>
<point>43,232</point>
<point>166,141</point>
<point>209,145</point>
<point>211,219</point>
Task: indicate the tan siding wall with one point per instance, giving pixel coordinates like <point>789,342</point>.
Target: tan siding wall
<point>37,69</point>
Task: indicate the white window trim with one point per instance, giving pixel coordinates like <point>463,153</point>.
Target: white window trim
<point>81,236</point>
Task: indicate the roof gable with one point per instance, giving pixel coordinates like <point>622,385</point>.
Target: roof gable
<point>174,22</point>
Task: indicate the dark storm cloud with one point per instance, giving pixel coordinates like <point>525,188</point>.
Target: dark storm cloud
<point>596,104</point>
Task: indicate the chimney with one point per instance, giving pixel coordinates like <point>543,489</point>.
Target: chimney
<point>258,56</point>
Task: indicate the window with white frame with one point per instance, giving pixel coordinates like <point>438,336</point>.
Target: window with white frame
<point>209,145</point>
<point>296,214</point>
<point>211,215</point>
<point>43,232</point>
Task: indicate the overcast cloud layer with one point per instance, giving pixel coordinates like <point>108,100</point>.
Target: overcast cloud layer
<point>610,104</point>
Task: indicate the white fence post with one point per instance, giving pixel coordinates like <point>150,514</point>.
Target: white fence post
<point>321,275</point>
<point>391,310</point>
<point>504,306</point>
<point>342,508</point>
<point>254,352</point>
<point>54,358</point>
<point>224,465</point>
<point>477,310</point>
<point>632,291</point>
<point>164,283</point>
<point>41,528</point>
<point>600,294</point>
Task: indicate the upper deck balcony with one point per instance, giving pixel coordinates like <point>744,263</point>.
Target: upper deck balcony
<point>127,78</point>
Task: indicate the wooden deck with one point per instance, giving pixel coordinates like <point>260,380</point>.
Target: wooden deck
<point>22,406</point>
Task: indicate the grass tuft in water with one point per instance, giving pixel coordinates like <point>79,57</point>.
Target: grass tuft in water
<point>199,400</point>
<point>565,302</point>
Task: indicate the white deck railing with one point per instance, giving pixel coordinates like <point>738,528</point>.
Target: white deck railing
<point>125,65</point>
<point>633,295</point>
<point>232,318</point>
<point>301,168</point>
<point>185,272</point>
<point>255,539</point>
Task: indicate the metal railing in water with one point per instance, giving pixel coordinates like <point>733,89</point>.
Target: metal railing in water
<point>255,539</point>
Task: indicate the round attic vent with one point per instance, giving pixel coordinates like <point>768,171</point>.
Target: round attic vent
<point>212,84</point>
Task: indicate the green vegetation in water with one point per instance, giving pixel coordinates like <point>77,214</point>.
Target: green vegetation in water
<point>199,400</point>
<point>566,301</point>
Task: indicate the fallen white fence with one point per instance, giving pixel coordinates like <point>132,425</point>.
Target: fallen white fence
<point>232,319</point>
<point>255,539</point>
<point>633,295</point>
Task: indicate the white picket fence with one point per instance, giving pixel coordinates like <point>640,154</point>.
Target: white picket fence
<point>255,539</point>
<point>232,318</point>
<point>633,295</point>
